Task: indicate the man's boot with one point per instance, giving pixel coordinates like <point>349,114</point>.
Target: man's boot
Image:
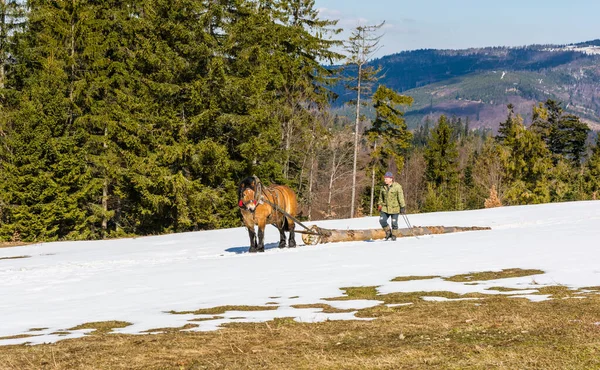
<point>388,233</point>
<point>392,236</point>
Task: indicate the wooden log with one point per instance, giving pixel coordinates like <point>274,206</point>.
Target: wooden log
<point>319,235</point>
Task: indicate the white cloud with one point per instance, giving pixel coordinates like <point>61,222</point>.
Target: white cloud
<point>329,13</point>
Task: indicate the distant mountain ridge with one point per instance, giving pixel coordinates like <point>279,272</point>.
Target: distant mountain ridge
<point>479,82</point>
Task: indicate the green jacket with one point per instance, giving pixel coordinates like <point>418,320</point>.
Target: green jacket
<point>391,198</point>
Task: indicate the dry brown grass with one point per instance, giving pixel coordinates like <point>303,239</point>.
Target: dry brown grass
<point>12,244</point>
<point>410,278</point>
<point>13,258</point>
<point>222,309</point>
<point>325,308</point>
<point>493,333</point>
<point>101,327</point>
<point>493,275</point>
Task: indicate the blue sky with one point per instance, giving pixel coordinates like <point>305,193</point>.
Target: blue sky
<point>458,24</point>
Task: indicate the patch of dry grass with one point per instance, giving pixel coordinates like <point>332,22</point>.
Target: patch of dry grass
<point>410,278</point>
<point>207,318</point>
<point>497,332</point>
<point>352,293</point>
<point>101,327</point>
<point>505,289</point>
<point>37,329</point>
<point>13,258</point>
<point>493,275</point>
<point>19,336</point>
<point>171,330</point>
<point>325,308</point>
<point>222,309</point>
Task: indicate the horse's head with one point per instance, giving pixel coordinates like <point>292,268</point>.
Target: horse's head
<point>248,193</point>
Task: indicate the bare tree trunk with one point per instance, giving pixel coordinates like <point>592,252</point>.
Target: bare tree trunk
<point>105,188</point>
<point>333,236</point>
<point>310,186</point>
<point>330,189</point>
<point>356,126</point>
<point>372,184</point>
<point>3,36</point>
<point>287,132</point>
<point>372,191</point>
<point>2,73</point>
<point>72,52</point>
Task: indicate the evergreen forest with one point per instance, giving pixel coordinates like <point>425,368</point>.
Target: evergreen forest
<point>141,117</point>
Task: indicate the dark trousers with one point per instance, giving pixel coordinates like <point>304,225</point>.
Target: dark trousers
<point>383,220</point>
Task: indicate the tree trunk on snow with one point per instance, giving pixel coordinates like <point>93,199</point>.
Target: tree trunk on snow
<point>332,236</point>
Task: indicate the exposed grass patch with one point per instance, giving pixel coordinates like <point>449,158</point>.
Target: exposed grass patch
<point>101,327</point>
<point>498,333</point>
<point>325,308</point>
<point>595,288</point>
<point>493,275</point>
<point>171,330</point>
<point>12,244</point>
<point>13,258</point>
<point>207,318</point>
<point>557,291</point>
<point>37,329</point>
<point>352,293</point>
<point>20,336</point>
<point>505,289</point>
<point>61,333</point>
<point>222,309</point>
<point>410,278</point>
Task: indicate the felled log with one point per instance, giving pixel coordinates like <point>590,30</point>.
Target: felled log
<point>317,235</point>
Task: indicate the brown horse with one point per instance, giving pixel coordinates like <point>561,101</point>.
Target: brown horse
<point>261,205</point>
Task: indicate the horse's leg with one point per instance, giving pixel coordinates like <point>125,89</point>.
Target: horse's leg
<point>252,235</point>
<point>261,236</point>
<point>292,239</point>
<point>281,237</point>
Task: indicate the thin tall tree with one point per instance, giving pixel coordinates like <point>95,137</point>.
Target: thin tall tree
<point>361,46</point>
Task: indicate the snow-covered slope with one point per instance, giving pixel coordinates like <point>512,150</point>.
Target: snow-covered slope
<point>61,285</point>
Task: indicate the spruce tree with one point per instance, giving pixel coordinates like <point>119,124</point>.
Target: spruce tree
<point>593,170</point>
<point>389,130</point>
<point>506,131</point>
<point>388,136</point>
<point>45,168</point>
<point>441,156</point>
<point>12,21</point>
<point>528,168</point>
<point>564,134</point>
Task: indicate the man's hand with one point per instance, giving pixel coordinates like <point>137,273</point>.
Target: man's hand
<point>403,210</point>
<point>379,207</point>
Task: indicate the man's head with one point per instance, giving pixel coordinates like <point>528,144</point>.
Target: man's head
<point>388,178</point>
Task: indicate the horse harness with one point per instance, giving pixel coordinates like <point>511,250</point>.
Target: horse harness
<point>260,199</point>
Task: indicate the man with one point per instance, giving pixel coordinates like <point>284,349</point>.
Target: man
<point>391,203</point>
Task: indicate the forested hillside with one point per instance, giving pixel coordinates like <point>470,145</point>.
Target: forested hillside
<point>140,118</point>
<point>479,83</point>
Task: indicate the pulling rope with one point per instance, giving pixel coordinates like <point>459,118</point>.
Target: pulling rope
<point>259,196</point>
<point>405,217</point>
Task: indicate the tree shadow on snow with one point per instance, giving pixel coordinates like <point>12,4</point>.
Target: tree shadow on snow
<point>240,250</point>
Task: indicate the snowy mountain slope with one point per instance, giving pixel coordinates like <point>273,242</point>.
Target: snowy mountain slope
<point>61,285</point>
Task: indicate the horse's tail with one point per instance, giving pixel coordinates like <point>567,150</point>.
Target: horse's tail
<point>286,224</point>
